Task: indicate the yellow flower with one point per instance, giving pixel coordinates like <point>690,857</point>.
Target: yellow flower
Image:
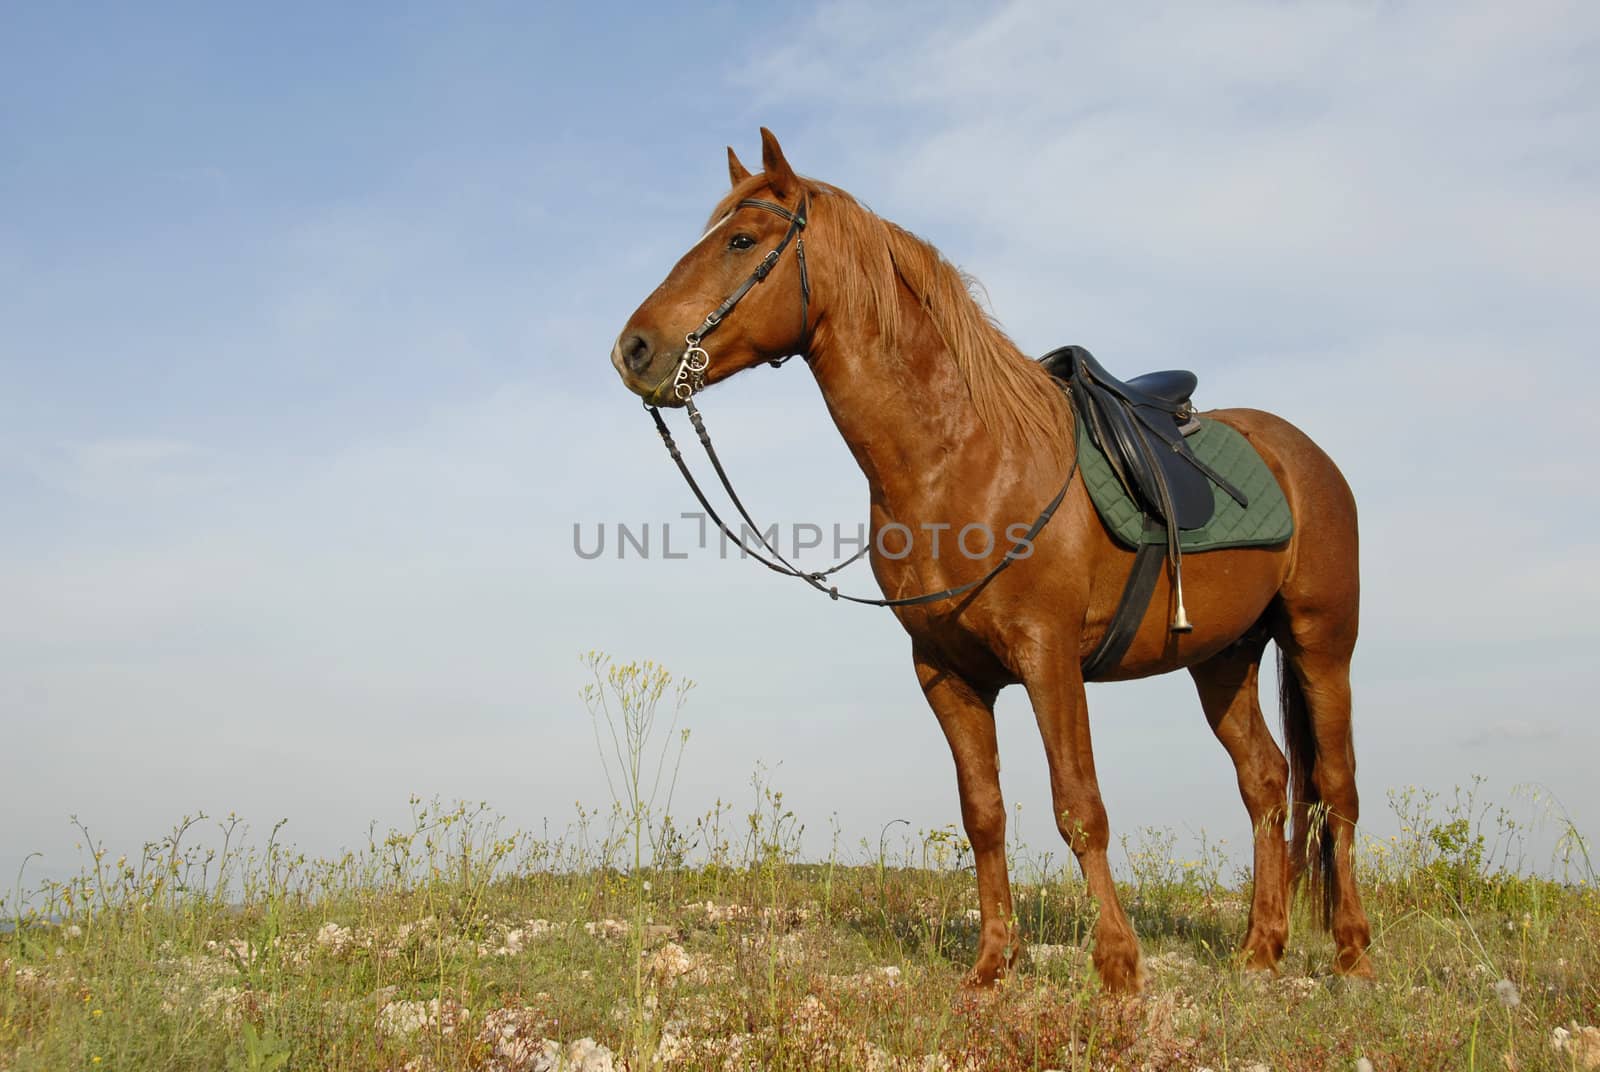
<point>99,1012</point>
<point>95,1059</point>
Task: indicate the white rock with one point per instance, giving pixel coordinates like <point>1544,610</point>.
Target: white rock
<point>223,1002</point>
<point>716,913</point>
<point>1579,1043</point>
<point>874,1058</point>
<point>334,938</point>
<point>1301,984</point>
<point>607,928</point>
<point>587,1055</point>
<point>888,975</point>
<point>672,1048</point>
<point>409,1017</point>
<point>669,962</point>
<point>516,1042</point>
<point>529,1055</point>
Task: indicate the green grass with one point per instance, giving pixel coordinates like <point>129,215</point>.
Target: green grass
<point>713,945</point>
<point>254,957</point>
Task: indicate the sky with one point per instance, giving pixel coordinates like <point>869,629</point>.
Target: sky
<point>305,321</point>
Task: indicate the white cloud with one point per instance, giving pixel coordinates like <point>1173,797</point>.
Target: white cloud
<point>1337,151</point>
<point>130,470</point>
<point>1378,221</point>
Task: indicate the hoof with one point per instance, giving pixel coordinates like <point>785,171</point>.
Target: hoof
<point>1261,955</point>
<point>986,973</point>
<point>1354,963</point>
<point>1257,960</point>
<point>1122,974</point>
<point>977,980</point>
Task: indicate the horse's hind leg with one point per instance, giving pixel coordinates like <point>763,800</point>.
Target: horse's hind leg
<point>1321,676</point>
<point>1317,636</point>
<point>1227,684</point>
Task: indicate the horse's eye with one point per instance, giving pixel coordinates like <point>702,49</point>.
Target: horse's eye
<point>741,241</point>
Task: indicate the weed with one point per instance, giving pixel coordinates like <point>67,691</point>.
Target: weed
<point>453,943</point>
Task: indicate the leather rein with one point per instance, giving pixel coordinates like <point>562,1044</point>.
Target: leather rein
<point>689,377</point>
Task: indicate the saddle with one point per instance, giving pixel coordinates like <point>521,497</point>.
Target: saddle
<point>1141,426</point>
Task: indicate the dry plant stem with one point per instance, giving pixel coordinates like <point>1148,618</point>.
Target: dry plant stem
<point>627,698</point>
<point>438,944</point>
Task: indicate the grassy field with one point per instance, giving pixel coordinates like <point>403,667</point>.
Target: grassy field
<point>631,941</point>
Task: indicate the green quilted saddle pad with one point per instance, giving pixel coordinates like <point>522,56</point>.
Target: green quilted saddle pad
<point>1265,522</point>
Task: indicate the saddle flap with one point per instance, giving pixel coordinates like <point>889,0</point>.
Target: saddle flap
<point>1146,450</point>
<point>1188,487</point>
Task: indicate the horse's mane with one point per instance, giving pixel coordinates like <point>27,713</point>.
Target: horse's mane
<point>1016,399</point>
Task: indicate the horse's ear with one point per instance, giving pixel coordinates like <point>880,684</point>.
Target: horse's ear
<point>737,172</point>
<point>780,176</point>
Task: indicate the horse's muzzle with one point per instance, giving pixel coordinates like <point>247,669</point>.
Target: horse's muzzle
<point>645,370</point>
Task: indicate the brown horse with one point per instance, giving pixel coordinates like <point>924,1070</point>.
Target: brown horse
<point>953,425</point>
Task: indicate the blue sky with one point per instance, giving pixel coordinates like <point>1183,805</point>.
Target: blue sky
<point>304,380</point>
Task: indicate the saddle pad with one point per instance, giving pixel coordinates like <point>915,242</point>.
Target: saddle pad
<point>1264,523</point>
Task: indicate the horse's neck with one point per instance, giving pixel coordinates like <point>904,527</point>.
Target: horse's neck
<point>906,414</point>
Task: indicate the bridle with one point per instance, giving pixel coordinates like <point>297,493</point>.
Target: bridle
<point>688,377</point>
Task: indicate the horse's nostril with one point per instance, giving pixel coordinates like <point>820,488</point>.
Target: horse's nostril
<point>636,352</point>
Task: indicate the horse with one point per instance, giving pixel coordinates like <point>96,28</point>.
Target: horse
<point>954,427</point>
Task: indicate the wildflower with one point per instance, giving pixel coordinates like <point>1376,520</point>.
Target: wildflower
<point>1505,991</point>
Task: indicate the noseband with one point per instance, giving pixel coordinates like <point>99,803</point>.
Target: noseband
<point>690,375</point>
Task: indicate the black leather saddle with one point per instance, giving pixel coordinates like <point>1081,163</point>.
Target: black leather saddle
<point>1140,425</point>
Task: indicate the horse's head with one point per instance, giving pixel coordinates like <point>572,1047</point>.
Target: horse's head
<point>745,281</point>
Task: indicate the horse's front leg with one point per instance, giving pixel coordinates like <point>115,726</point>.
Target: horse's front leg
<point>967,718</point>
<point>1055,688</point>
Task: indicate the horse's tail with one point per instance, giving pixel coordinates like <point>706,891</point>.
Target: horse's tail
<point>1311,843</point>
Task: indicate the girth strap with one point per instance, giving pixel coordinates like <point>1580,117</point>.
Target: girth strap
<point>1125,620</point>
